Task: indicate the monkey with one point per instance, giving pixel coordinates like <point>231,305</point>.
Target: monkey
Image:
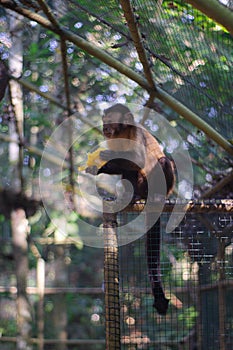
<point>139,165</point>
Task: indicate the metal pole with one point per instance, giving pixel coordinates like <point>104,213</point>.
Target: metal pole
<point>111,281</point>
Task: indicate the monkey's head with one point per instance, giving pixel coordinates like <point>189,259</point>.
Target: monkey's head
<point>116,119</point>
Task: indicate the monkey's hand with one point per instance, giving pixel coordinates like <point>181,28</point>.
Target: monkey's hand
<point>93,170</point>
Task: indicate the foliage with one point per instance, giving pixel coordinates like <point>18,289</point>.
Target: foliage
<point>8,328</point>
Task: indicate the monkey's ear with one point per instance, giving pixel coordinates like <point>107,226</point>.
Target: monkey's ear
<point>128,118</point>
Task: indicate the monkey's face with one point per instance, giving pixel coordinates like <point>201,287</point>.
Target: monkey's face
<point>114,124</point>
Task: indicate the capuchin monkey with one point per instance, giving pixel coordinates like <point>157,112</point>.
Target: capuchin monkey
<point>138,158</point>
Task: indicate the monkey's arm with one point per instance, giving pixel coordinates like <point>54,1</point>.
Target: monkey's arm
<point>126,160</point>
<point>118,167</point>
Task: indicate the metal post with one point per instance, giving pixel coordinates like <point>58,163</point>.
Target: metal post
<point>111,281</point>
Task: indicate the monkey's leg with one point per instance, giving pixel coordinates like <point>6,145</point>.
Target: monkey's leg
<point>153,263</point>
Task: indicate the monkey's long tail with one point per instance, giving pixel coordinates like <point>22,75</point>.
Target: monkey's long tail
<point>153,263</point>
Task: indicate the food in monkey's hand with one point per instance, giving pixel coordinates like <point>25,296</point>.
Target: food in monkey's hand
<point>94,162</point>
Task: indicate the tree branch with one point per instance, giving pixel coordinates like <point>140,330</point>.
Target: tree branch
<point>137,39</point>
<point>215,10</point>
<point>48,12</point>
<point>223,182</point>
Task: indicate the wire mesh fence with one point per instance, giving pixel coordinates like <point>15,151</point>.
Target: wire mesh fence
<point>196,272</point>
<point>197,275</point>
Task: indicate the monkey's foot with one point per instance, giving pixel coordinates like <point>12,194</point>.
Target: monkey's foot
<point>161,305</point>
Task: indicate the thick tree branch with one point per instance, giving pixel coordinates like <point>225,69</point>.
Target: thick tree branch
<point>215,10</point>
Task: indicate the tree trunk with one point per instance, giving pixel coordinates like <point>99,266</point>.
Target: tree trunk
<point>16,94</point>
<point>19,222</point>
<point>19,226</point>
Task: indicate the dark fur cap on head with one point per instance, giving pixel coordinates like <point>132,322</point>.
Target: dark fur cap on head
<point>117,108</point>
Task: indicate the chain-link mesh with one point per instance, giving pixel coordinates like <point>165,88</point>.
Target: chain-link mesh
<point>196,274</point>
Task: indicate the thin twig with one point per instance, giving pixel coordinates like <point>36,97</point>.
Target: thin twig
<point>48,12</point>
